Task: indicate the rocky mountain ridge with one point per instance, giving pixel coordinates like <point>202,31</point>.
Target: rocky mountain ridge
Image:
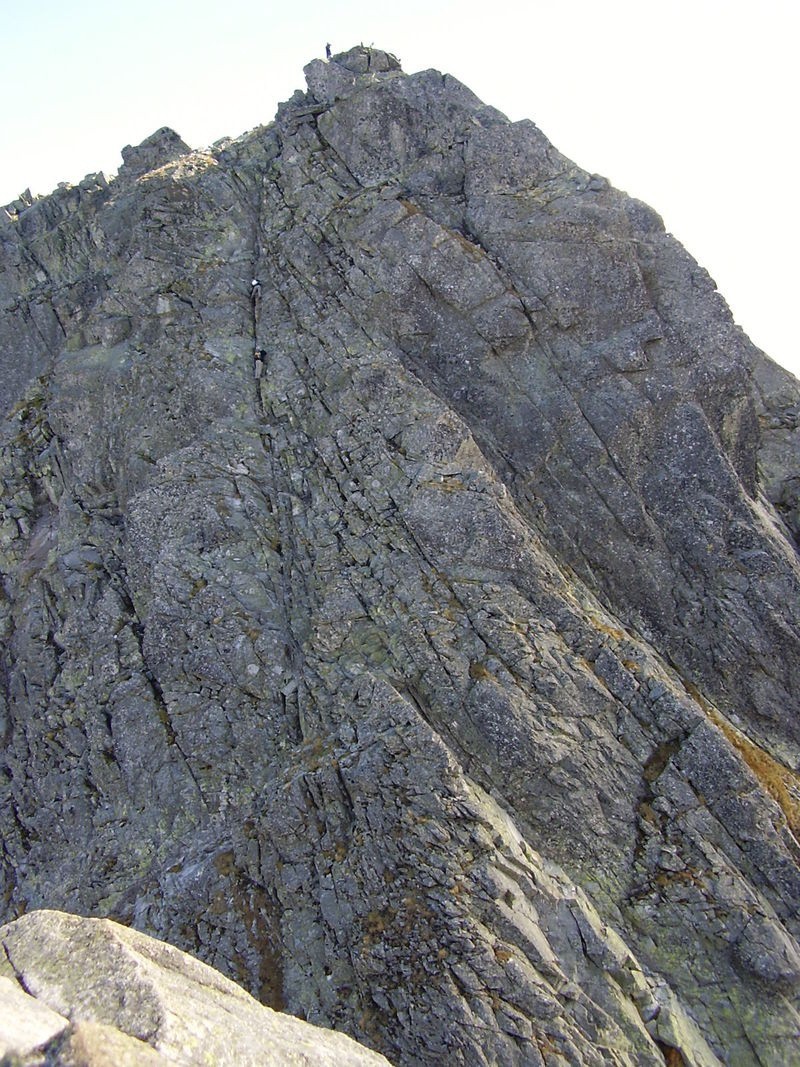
<point>440,684</point>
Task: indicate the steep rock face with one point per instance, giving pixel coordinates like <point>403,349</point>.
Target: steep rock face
<point>439,685</point>
<point>90,993</point>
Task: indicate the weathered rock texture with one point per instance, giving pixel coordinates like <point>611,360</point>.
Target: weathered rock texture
<point>90,993</point>
<point>441,685</point>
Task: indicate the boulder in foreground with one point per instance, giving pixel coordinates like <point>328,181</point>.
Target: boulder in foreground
<point>99,995</point>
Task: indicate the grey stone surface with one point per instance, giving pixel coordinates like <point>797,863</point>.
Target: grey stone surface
<point>441,684</point>
<point>134,1000</point>
<point>24,1022</point>
<point>89,1045</point>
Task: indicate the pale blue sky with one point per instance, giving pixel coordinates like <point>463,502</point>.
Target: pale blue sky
<point>688,104</point>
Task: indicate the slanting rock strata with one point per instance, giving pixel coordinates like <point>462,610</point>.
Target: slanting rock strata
<point>440,684</point>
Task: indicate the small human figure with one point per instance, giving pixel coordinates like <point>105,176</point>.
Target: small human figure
<point>258,362</point>
<point>327,51</point>
<point>255,290</point>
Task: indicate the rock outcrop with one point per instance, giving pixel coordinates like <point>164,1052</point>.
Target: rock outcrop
<point>440,685</point>
<point>91,993</point>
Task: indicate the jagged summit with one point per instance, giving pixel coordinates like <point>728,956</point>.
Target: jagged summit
<point>331,78</point>
<point>163,146</point>
<point>412,634</point>
<point>362,60</point>
<point>159,148</point>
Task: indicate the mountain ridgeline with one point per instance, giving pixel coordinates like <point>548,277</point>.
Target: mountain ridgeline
<point>440,684</point>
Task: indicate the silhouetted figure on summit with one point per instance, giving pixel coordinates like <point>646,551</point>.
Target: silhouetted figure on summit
<point>327,51</point>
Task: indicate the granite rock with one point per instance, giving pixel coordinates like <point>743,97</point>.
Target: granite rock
<point>123,998</point>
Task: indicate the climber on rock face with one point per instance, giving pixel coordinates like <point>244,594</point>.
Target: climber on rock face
<point>255,290</point>
<point>259,358</point>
